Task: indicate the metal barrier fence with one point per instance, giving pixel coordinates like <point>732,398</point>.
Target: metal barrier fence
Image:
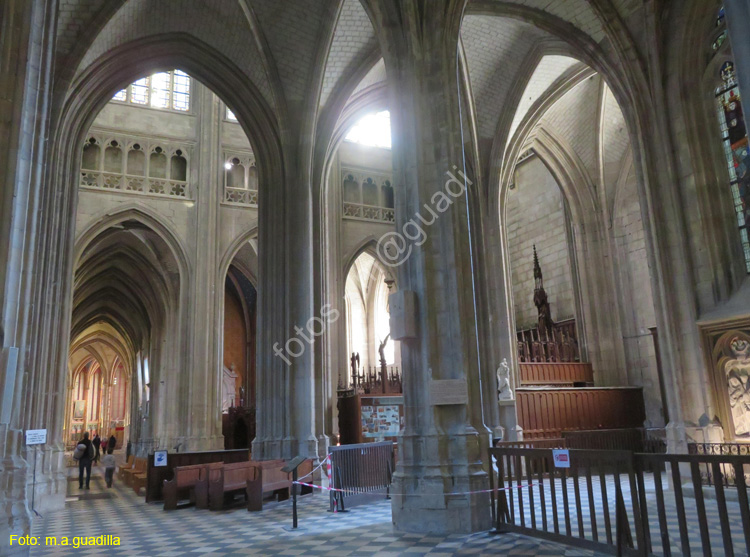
<point>608,501</point>
<point>728,475</point>
<point>361,472</point>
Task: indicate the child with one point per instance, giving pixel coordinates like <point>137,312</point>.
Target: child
<point>109,466</point>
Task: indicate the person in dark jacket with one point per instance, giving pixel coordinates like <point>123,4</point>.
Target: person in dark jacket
<point>112,442</point>
<point>85,460</point>
<point>97,442</point>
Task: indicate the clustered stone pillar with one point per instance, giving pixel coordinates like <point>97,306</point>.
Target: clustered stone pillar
<point>287,325</point>
<point>205,366</point>
<point>442,445</point>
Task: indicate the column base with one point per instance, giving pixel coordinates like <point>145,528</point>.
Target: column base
<point>676,438</point>
<point>425,505</point>
<point>434,475</point>
<point>19,488</point>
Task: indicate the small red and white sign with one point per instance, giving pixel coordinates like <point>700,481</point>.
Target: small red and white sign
<point>561,457</point>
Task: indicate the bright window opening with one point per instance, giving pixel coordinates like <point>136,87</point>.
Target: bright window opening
<point>373,130</point>
<point>165,90</point>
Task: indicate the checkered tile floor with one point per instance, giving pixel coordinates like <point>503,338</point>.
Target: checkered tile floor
<point>366,530</point>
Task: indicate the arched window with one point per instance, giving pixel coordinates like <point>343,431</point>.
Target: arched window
<point>372,130</point>
<point>735,141</point>
<point>119,394</point>
<point>94,395</point>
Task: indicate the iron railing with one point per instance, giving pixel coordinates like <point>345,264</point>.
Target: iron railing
<point>360,473</point>
<point>727,476</point>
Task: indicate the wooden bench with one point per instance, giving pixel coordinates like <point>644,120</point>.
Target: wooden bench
<point>139,467</point>
<point>128,465</point>
<point>192,479</point>
<point>139,482</point>
<point>276,481</point>
<point>256,478</point>
<point>227,480</point>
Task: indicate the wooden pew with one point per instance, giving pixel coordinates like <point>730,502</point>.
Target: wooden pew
<point>274,480</point>
<point>157,474</point>
<point>192,479</point>
<point>139,481</point>
<point>256,478</point>
<point>126,466</point>
<point>232,478</point>
<point>139,467</point>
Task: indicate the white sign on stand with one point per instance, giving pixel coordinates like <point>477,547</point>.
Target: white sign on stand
<point>36,436</point>
<point>160,458</point>
<point>561,458</point>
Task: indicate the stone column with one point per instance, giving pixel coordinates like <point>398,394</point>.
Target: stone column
<point>442,446</point>
<point>205,368</point>
<point>737,17</point>
<point>28,387</point>
<point>285,379</point>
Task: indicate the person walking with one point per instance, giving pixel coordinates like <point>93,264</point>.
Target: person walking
<point>84,462</point>
<point>108,460</point>
<point>97,443</point>
<point>112,443</point>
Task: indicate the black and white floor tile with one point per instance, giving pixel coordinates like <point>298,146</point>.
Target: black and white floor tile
<point>363,531</point>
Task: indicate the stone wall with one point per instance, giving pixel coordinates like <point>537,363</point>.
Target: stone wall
<point>535,216</point>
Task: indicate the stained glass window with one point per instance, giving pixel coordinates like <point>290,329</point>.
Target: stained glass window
<point>180,91</point>
<point>736,150</point>
<point>166,90</point>
<point>139,91</point>
<point>160,89</point>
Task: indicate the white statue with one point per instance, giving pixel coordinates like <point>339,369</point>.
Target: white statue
<point>228,388</point>
<point>504,391</point>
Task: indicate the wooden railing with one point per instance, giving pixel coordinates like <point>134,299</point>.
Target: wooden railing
<point>547,413</point>
<point>560,344</point>
<point>532,444</point>
<point>563,373</point>
<point>630,439</point>
<point>606,501</point>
